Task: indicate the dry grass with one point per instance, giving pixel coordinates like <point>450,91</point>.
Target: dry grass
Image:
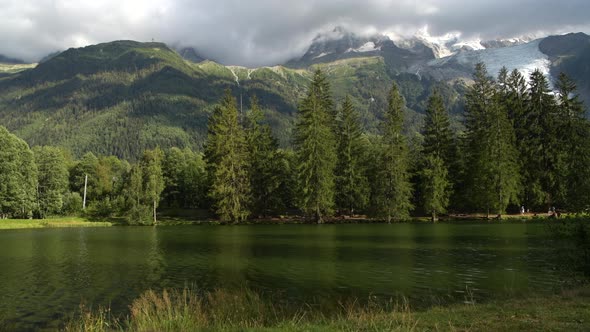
<point>244,310</point>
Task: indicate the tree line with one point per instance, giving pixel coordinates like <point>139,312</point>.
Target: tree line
<point>523,146</point>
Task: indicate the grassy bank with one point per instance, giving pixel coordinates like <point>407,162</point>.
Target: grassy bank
<point>246,311</point>
<point>48,223</point>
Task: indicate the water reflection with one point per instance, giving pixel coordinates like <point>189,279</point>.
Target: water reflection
<point>46,273</point>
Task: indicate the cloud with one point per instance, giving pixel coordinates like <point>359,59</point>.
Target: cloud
<point>266,32</point>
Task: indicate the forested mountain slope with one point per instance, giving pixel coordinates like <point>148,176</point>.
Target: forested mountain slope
<point>123,97</point>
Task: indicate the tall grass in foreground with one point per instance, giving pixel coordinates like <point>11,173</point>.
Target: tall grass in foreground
<point>244,310</point>
<point>188,310</point>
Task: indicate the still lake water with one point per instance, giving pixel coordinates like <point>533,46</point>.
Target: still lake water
<point>46,273</point>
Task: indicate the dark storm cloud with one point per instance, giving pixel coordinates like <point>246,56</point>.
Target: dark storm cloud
<point>266,32</point>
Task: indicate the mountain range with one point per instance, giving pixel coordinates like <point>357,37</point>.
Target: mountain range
<point>124,96</point>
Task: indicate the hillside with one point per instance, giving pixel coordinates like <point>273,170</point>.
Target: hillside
<point>122,97</point>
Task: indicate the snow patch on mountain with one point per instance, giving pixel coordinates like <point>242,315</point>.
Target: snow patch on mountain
<point>469,45</point>
<point>452,43</point>
<point>367,47</point>
<point>323,54</point>
<point>525,57</point>
<point>232,69</point>
<point>440,45</point>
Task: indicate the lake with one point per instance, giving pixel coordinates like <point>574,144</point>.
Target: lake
<point>46,273</point>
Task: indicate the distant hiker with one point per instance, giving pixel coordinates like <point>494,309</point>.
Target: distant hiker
<point>522,209</point>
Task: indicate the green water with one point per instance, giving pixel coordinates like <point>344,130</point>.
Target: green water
<point>46,273</point>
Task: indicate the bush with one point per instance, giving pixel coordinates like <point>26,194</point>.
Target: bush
<point>140,215</point>
<point>72,203</point>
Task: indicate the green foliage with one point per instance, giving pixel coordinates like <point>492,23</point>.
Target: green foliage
<point>185,179</point>
<point>539,145</point>
<point>491,159</point>
<point>127,99</point>
<point>435,186</point>
<point>87,166</point>
<point>439,155</point>
<point>18,177</point>
<point>573,135</point>
<point>53,179</point>
<point>392,188</point>
<point>438,137</point>
<point>72,204</point>
<point>351,178</point>
<point>315,149</point>
<point>124,97</point>
<point>227,156</point>
<point>266,164</point>
<point>153,179</point>
<point>138,210</point>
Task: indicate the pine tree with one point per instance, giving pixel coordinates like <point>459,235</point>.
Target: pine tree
<point>515,101</point>
<point>503,81</point>
<point>435,186</point>
<point>393,192</point>
<point>493,177</point>
<point>351,179</point>
<point>438,156</point>
<point>315,151</point>
<point>265,162</point>
<point>540,143</point>
<point>194,184</point>
<point>573,131</point>
<point>227,157</point>
<point>438,136</point>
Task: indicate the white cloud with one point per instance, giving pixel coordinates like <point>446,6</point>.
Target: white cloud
<point>264,32</point>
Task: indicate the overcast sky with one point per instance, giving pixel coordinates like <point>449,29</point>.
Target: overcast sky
<point>267,32</point>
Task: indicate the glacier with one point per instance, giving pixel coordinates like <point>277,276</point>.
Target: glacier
<point>525,57</point>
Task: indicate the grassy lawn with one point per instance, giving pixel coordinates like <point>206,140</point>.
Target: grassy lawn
<point>52,222</point>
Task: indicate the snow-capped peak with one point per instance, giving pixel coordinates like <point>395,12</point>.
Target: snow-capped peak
<point>366,47</point>
<point>447,44</point>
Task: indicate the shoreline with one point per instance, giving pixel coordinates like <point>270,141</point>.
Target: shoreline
<point>73,222</point>
<point>65,222</point>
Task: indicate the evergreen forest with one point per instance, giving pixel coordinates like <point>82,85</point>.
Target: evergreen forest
<point>524,144</point>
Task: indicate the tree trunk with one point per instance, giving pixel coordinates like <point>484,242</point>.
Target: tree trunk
<point>434,217</point>
<point>85,186</point>
<point>318,216</point>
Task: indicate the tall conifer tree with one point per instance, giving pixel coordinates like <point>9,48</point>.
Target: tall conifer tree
<point>493,176</point>
<point>351,179</point>
<point>438,155</point>
<point>393,190</point>
<point>265,162</point>
<point>315,149</point>
<point>540,143</point>
<point>227,159</point>
<point>573,133</point>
